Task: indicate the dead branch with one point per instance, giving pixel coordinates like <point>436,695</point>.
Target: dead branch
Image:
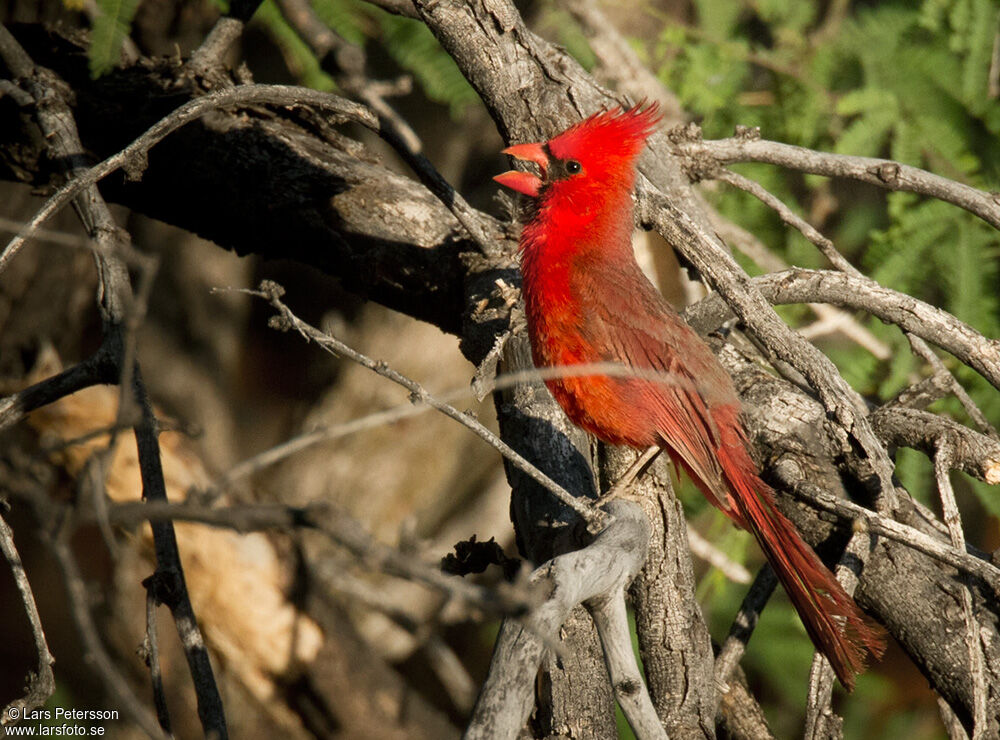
<point>119,310</point>
<point>925,321</point>
<point>601,569</point>
<point>41,685</point>
<point>747,146</point>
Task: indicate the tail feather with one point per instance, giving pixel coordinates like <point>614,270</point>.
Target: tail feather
<point>834,622</point>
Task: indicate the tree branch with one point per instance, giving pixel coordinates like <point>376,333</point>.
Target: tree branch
<point>274,183</point>
<point>41,685</point>
<point>118,311</point>
<point>272,293</point>
<point>604,567</point>
<point>747,146</point>
<point>847,291</point>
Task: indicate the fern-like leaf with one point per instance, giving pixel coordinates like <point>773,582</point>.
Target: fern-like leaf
<point>111,26</point>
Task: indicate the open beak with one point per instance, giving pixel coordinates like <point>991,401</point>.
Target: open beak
<point>525,182</point>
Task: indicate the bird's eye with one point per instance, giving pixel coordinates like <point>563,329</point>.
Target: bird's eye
<point>573,167</point>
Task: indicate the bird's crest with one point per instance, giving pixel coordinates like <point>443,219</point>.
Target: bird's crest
<point>615,133</point>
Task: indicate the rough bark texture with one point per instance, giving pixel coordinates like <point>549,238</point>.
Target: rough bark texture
<point>674,642</point>
<point>912,595</point>
<point>574,696</point>
<point>279,185</point>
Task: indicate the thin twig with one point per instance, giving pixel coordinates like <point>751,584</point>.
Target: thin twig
<point>819,711</point>
<point>296,444</point>
<point>975,413</point>
<point>97,369</point>
<point>41,685</point>
<point>702,548</point>
<point>272,293</point>
<point>858,516</point>
<point>973,453</point>
<point>977,670</point>
<point>827,248</point>
<point>744,624</point>
<point>346,62</point>
<point>939,327</point>
<point>94,651</point>
<point>134,155</point>
<point>151,656</point>
<point>787,215</point>
<point>207,60</point>
<point>119,313</point>
<point>706,252</point>
<point>830,317</point>
<point>341,529</point>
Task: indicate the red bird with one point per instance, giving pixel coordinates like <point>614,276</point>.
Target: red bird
<point>588,302</point>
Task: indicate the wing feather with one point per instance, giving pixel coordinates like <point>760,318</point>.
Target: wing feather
<point>677,406</point>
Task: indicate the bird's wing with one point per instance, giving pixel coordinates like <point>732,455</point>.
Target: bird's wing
<point>676,394</point>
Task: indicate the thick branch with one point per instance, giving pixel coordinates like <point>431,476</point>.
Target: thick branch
<point>273,183</point>
<point>119,310</point>
<point>914,595</point>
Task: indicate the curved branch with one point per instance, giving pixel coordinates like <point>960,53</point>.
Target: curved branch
<point>271,292</point>
<point>277,182</point>
<point>134,156</point>
<point>974,454</point>
<point>604,567</point>
<point>611,620</point>
<point>747,146</point>
<point>848,291</point>
<point>704,249</point>
<point>119,311</point>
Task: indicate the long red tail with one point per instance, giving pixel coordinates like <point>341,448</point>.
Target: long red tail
<point>832,619</point>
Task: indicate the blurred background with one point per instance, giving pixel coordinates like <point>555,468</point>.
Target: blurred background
<point>915,81</point>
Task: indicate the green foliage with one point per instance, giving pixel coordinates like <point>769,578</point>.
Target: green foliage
<point>899,79</point>
<point>301,60</point>
<point>111,27</point>
<point>406,41</point>
<point>904,80</point>
<point>346,17</point>
<point>416,50</point>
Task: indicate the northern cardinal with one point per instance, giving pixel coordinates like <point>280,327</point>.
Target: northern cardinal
<point>588,302</point>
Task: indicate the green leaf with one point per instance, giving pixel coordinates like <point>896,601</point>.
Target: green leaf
<point>346,17</point>
<point>866,99</point>
<point>979,51</point>
<point>866,136</point>
<point>968,265</point>
<point>111,27</point>
<point>415,49</point>
<point>301,60</point>
<point>718,18</point>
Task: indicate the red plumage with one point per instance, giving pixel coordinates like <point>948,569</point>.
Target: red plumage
<point>587,302</point>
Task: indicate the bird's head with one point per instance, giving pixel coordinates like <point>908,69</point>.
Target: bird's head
<point>600,151</point>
